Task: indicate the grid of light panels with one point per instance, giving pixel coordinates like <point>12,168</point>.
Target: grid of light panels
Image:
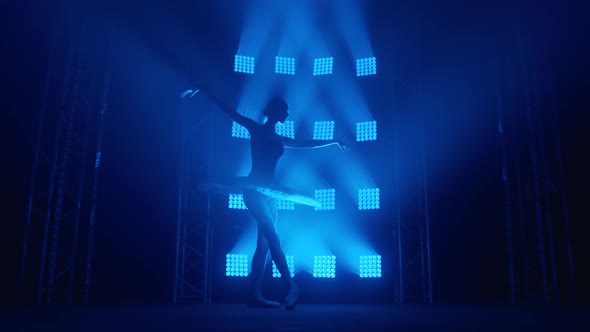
<point>326,198</point>
<point>286,129</point>
<point>236,201</point>
<point>239,131</point>
<point>244,64</point>
<point>369,199</point>
<point>284,65</point>
<point>370,266</point>
<point>323,66</point>
<point>236,265</point>
<point>323,130</point>
<point>285,205</point>
<point>366,66</point>
<point>290,265</point>
<point>366,131</point>
<point>324,266</point>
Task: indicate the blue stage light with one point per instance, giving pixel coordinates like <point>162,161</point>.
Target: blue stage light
<point>236,265</point>
<point>369,199</point>
<point>323,130</point>
<point>286,129</point>
<point>236,201</point>
<point>370,266</point>
<point>366,131</point>
<point>323,66</point>
<point>239,131</point>
<point>290,264</point>
<point>366,66</point>
<point>244,64</point>
<point>324,266</point>
<point>326,198</point>
<point>285,65</point>
<point>285,205</point>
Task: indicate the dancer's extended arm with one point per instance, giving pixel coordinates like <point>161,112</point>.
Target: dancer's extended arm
<point>312,144</point>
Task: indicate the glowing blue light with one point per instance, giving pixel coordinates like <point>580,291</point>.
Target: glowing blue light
<point>244,64</point>
<point>286,129</point>
<point>97,160</point>
<point>326,198</point>
<point>323,66</point>
<point>239,131</point>
<point>370,266</point>
<point>324,266</point>
<point>369,199</point>
<point>285,65</point>
<point>366,66</point>
<point>236,265</point>
<point>323,130</point>
<point>290,264</point>
<point>285,205</point>
<point>236,201</point>
<point>366,131</point>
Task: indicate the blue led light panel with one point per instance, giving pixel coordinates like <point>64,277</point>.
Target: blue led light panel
<point>323,66</point>
<point>366,66</point>
<point>323,130</point>
<point>369,199</point>
<point>239,131</point>
<point>236,265</point>
<point>366,131</point>
<point>285,65</point>
<point>290,264</point>
<point>324,266</point>
<point>326,198</point>
<point>236,201</point>
<point>286,129</point>
<point>285,205</point>
<point>244,64</point>
<point>370,266</point>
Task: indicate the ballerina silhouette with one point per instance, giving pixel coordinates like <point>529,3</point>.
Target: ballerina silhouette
<point>267,147</point>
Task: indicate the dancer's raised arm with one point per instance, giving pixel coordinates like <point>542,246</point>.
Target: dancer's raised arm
<point>312,144</point>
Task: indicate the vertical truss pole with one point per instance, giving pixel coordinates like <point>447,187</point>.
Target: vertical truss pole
<point>400,295</point>
<point>97,163</point>
<point>565,212</point>
<point>426,208</point>
<point>535,172</point>
<point>506,181</point>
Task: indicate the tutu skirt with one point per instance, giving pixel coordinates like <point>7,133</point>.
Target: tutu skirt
<point>242,184</point>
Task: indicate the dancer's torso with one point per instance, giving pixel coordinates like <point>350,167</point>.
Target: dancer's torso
<point>266,148</point>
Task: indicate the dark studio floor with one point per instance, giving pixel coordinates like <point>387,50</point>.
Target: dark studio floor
<point>231,317</point>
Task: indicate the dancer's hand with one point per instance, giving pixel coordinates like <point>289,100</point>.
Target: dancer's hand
<point>342,146</point>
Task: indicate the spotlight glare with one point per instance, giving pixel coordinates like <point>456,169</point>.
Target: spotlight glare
<point>286,129</point>
<point>323,130</point>
<point>285,65</point>
<point>236,201</point>
<point>326,198</point>
<point>366,66</point>
<point>244,64</point>
<point>369,199</point>
<point>285,205</point>
<point>323,66</point>
<point>324,266</point>
<point>366,131</point>
<point>290,264</point>
<point>236,265</point>
<point>239,131</point>
<point>370,266</point>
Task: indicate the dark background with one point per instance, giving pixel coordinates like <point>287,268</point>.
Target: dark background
<point>136,226</point>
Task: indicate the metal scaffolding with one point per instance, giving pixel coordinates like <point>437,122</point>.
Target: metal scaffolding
<point>533,177</point>
<point>192,280</point>
<point>66,163</point>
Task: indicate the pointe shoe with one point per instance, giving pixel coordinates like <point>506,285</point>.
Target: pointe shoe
<point>292,297</point>
<point>261,302</point>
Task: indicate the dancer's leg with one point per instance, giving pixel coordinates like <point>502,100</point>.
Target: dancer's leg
<point>261,211</point>
<point>258,265</point>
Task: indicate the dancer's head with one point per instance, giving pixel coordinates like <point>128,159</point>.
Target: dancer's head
<point>276,110</point>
